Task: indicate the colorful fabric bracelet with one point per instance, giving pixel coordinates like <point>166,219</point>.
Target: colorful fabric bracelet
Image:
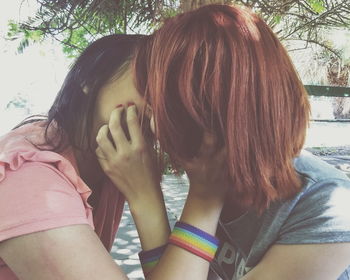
<point>194,240</point>
<point>149,259</point>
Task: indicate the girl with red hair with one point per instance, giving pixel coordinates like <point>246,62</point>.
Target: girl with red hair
<point>229,107</point>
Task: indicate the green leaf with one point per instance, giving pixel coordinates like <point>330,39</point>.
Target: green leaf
<point>317,6</point>
<point>36,35</point>
<point>22,45</point>
<point>13,30</point>
<point>16,31</point>
<point>277,19</point>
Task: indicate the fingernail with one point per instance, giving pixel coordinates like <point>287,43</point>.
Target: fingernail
<point>131,104</point>
<point>119,106</point>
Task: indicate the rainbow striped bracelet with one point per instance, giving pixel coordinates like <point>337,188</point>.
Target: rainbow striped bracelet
<point>194,240</point>
<point>149,259</point>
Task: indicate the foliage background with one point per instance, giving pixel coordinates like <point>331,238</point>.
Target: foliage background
<point>315,32</point>
<point>76,23</point>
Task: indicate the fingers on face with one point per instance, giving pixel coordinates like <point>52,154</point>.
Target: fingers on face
<point>105,146</point>
<point>133,123</point>
<point>116,129</point>
<point>117,132</point>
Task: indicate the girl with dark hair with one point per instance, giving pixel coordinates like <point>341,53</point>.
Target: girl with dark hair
<point>59,211</point>
<point>64,178</point>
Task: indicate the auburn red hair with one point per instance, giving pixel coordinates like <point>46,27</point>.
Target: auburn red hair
<point>221,69</point>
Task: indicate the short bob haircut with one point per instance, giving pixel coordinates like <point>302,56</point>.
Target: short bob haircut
<point>220,69</point>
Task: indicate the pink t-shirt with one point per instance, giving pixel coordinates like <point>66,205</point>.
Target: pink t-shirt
<point>42,190</point>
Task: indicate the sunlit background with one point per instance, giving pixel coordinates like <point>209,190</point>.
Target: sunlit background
<point>30,80</point>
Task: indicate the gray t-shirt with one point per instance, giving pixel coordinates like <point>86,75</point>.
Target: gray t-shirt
<point>319,213</point>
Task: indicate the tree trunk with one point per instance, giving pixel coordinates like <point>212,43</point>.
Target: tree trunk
<point>338,75</point>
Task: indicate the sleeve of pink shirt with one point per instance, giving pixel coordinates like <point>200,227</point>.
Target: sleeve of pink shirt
<point>37,197</point>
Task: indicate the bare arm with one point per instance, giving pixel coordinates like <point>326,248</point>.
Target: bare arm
<point>75,253</point>
<point>302,262</point>
<point>67,253</point>
<point>129,165</point>
<point>202,209</point>
<point>176,263</point>
<point>208,187</point>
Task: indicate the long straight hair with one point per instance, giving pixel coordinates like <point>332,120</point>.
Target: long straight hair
<point>72,111</point>
<point>221,69</point>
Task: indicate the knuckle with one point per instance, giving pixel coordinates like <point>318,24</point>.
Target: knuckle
<point>101,133</point>
<point>99,139</point>
<point>124,157</point>
<point>140,148</point>
<point>98,151</point>
<point>110,168</point>
<point>107,169</point>
<point>109,172</point>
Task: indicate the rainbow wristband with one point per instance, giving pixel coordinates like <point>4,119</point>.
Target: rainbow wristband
<point>149,259</point>
<point>194,240</point>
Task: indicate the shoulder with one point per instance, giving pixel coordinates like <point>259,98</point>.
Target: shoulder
<point>22,136</point>
<point>314,169</point>
<point>319,213</point>
<point>20,157</point>
<point>323,184</point>
<point>39,189</point>
<point>30,175</point>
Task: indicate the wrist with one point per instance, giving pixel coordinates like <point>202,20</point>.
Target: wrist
<point>202,213</point>
<point>151,222</point>
<point>147,204</point>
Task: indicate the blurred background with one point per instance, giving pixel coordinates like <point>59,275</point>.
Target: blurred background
<point>39,39</point>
